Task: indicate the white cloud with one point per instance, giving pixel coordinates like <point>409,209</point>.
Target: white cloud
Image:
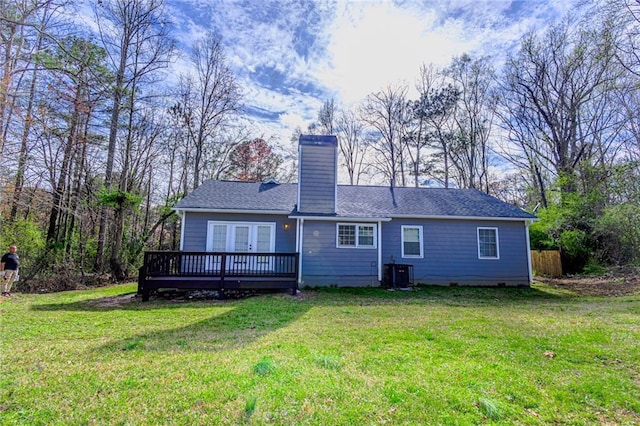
<point>348,49</point>
<point>374,44</point>
<point>363,46</point>
<point>291,120</point>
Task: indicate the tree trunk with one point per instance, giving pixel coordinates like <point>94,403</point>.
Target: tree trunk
<point>59,191</point>
<point>108,174</point>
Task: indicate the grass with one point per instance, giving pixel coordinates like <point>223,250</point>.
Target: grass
<point>334,356</point>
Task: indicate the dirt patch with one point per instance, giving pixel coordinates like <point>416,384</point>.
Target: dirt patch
<point>615,282</point>
<point>115,301</point>
<point>63,282</point>
<point>181,296</point>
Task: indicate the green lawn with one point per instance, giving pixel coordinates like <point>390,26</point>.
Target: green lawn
<point>330,357</point>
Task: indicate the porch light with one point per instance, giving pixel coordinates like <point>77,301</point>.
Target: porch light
<point>286,226</point>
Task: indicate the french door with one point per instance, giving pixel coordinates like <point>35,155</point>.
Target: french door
<point>242,237</point>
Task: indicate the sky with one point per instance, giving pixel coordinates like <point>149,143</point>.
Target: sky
<point>290,56</point>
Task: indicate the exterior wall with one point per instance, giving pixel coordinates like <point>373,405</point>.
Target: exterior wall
<point>323,264</point>
<point>451,252</point>
<point>195,229</point>
<point>317,174</point>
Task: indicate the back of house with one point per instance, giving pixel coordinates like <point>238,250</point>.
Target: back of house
<point>361,235</point>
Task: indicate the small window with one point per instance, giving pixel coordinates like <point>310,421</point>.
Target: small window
<point>488,243</point>
<point>365,236</point>
<point>356,235</point>
<point>346,235</point>
<point>412,241</point>
<point>219,238</point>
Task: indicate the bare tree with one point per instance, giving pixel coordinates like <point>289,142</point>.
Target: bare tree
<point>629,101</point>
<point>172,170</point>
<point>385,112</point>
<point>474,115</point>
<point>433,115</point>
<point>626,15</point>
<point>212,98</point>
<point>352,144</point>
<point>555,100</point>
<point>142,178</point>
<point>135,36</point>
<point>17,19</point>
<point>349,130</point>
<point>179,143</point>
<point>26,30</point>
<point>327,118</point>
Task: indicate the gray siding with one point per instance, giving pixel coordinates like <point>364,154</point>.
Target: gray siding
<point>195,229</point>
<point>451,252</point>
<point>323,264</point>
<point>317,180</point>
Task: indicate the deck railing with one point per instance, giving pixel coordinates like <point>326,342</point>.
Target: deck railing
<point>217,271</point>
<point>218,264</point>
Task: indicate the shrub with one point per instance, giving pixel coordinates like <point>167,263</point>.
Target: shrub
<point>617,235</point>
<point>575,249</point>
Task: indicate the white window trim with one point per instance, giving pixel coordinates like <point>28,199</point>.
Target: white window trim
<point>231,236</point>
<point>357,225</point>
<point>497,256</point>
<point>421,240</point>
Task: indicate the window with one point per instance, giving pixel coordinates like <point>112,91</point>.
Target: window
<point>356,235</point>
<point>365,236</point>
<point>219,237</point>
<point>241,240</point>
<point>488,243</point>
<point>346,235</point>
<point>412,241</point>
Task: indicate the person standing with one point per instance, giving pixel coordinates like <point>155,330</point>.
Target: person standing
<point>9,269</point>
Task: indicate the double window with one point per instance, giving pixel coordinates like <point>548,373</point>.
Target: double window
<point>356,235</point>
<point>488,244</point>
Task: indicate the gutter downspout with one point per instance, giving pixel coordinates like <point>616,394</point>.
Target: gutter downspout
<point>299,245</point>
<point>380,252</point>
<point>526,232</point>
<point>182,215</point>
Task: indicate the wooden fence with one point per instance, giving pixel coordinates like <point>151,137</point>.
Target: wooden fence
<point>547,263</point>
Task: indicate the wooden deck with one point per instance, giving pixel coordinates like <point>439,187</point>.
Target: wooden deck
<point>217,271</point>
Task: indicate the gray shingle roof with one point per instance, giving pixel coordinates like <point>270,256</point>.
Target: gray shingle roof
<point>404,201</point>
<point>353,201</point>
<point>232,195</point>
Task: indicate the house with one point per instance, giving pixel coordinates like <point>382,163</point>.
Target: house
<point>355,235</point>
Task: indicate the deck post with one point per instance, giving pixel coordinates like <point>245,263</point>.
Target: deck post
<point>223,267</point>
<point>141,279</point>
